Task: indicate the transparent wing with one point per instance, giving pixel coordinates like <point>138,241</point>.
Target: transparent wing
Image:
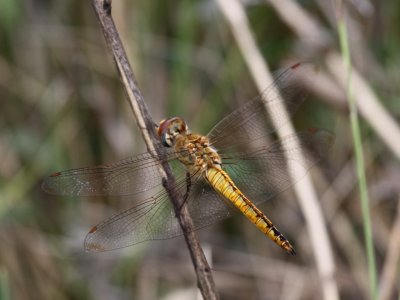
<point>263,172</point>
<point>130,176</point>
<point>259,170</point>
<point>152,219</point>
<point>260,173</point>
<point>155,219</point>
<point>252,121</point>
<point>140,173</point>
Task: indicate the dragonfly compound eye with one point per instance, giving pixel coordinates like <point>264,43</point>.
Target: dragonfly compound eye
<point>169,129</point>
<point>167,140</point>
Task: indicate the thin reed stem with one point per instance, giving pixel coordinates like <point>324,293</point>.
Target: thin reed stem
<point>355,129</point>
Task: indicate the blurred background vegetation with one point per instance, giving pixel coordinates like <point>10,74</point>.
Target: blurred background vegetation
<point>62,107</point>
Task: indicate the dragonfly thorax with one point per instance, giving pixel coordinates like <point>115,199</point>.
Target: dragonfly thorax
<point>196,153</point>
<point>194,150</point>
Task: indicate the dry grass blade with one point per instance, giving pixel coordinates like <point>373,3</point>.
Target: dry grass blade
<point>368,105</point>
<point>390,271</point>
<point>235,15</point>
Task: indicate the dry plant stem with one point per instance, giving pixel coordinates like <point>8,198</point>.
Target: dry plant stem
<point>342,227</point>
<point>235,15</point>
<point>302,23</point>
<point>390,270</point>
<point>146,125</point>
<point>368,103</point>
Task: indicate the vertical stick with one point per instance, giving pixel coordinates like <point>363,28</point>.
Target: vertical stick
<point>144,121</point>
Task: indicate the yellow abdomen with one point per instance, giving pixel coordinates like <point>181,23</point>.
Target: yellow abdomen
<point>224,185</point>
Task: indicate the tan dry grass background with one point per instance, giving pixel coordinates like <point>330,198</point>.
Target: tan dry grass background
<point>63,107</point>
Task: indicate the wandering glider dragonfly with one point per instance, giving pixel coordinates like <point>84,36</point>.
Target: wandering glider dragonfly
<point>234,168</point>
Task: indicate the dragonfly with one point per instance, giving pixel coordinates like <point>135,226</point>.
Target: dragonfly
<point>235,168</point>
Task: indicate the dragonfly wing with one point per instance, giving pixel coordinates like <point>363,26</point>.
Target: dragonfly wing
<point>155,218</point>
<point>152,219</point>
<point>130,176</point>
<point>252,121</point>
<point>260,174</point>
<point>207,207</point>
<point>263,172</point>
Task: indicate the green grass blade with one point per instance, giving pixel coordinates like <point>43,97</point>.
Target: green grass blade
<point>355,129</point>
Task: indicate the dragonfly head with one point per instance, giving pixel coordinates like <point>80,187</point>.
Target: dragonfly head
<point>169,129</point>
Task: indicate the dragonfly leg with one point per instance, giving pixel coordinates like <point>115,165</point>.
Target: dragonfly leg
<point>188,186</point>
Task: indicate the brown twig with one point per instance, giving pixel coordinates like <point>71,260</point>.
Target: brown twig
<point>144,121</point>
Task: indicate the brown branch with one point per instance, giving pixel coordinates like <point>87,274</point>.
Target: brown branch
<point>144,121</point>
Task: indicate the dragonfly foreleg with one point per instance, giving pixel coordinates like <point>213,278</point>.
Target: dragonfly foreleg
<point>188,187</point>
<point>186,195</point>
